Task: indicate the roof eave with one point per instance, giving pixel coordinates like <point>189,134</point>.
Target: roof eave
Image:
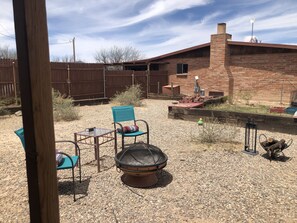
<point>271,45</point>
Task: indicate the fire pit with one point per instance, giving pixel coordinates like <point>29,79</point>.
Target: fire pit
<point>140,162</point>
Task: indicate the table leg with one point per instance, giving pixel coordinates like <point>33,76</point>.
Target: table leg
<point>95,147</point>
<point>96,139</point>
<point>75,140</point>
<point>115,143</point>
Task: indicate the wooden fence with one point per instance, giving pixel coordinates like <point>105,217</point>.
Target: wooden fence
<point>85,81</point>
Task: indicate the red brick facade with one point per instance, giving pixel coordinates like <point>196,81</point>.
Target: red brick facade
<point>267,77</point>
<point>254,72</point>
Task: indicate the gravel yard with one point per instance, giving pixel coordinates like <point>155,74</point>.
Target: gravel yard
<point>201,183</point>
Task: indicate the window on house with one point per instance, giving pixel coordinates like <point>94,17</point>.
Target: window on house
<point>182,68</point>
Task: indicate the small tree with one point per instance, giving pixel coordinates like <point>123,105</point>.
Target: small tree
<point>117,54</point>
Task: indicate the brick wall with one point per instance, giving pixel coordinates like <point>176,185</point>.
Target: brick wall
<point>217,78</point>
<point>196,67</point>
<point>266,75</point>
<point>267,78</point>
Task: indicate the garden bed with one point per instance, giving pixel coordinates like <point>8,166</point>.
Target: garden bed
<point>264,122</point>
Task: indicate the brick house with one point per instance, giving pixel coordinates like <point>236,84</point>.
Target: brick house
<point>258,72</point>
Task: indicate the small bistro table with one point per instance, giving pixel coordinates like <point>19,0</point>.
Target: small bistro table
<point>97,137</point>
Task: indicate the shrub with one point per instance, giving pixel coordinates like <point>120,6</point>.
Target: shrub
<point>63,107</point>
<point>131,96</point>
<point>10,101</point>
<point>3,111</point>
<point>213,131</point>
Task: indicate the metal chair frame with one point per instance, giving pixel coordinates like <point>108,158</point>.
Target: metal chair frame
<point>123,114</point>
<point>74,160</point>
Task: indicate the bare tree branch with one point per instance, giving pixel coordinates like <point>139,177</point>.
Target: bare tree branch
<point>65,58</point>
<point>6,53</point>
<point>117,54</point>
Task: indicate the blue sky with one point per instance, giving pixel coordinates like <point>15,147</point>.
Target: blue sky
<point>155,27</point>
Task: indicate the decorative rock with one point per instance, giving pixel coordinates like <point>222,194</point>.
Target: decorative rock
<point>18,113</point>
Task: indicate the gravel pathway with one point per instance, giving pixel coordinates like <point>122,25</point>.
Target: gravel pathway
<point>201,183</point>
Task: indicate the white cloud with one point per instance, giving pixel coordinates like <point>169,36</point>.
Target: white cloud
<point>162,7</point>
<point>147,24</point>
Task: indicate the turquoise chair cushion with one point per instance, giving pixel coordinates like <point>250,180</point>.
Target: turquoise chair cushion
<point>66,163</point>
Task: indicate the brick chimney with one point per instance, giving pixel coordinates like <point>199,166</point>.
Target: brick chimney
<point>219,70</point>
<point>219,51</point>
<point>221,29</point>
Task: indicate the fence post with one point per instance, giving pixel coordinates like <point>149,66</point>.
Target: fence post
<point>158,87</point>
<point>68,81</point>
<point>133,79</point>
<point>14,82</point>
<point>104,80</point>
<point>148,81</point>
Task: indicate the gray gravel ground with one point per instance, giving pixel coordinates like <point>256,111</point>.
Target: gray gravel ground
<point>201,183</point>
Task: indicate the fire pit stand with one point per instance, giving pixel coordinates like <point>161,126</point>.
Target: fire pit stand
<point>140,162</point>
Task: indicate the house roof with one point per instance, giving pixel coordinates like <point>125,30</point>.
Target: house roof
<point>270,45</point>
<point>235,43</point>
<point>171,54</point>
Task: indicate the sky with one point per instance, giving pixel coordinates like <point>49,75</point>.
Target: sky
<point>155,27</point>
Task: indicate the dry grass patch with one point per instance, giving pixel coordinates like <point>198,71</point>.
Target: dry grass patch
<point>213,132</point>
<point>63,107</point>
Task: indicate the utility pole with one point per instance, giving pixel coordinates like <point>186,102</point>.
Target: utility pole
<point>73,45</point>
<point>252,36</point>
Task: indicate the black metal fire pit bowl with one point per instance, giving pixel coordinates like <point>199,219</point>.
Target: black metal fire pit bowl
<point>140,162</point>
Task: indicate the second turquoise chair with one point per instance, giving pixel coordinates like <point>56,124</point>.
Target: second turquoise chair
<point>126,114</point>
<point>67,162</point>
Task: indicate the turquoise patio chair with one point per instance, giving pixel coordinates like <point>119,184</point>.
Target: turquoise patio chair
<point>67,162</point>
<point>126,114</point>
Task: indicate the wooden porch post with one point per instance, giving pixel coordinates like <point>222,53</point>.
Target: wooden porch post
<point>34,74</point>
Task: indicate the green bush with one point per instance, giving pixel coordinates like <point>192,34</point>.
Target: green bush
<point>63,107</point>
<point>131,96</point>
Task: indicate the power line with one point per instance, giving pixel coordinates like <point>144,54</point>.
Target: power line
<point>12,37</point>
<point>70,41</point>
<point>4,28</point>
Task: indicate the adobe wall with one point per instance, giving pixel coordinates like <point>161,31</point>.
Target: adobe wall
<point>265,78</point>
